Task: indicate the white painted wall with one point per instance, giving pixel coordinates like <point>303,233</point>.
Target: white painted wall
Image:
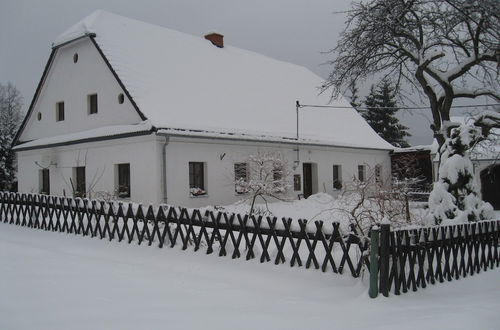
<point>99,159</point>
<point>220,172</point>
<point>145,157</point>
<point>72,82</point>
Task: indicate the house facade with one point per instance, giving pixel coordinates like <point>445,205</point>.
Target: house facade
<point>129,110</point>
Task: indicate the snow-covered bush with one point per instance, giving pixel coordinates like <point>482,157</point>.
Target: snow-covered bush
<point>455,195</point>
<point>267,174</point>
<point>375,201</point>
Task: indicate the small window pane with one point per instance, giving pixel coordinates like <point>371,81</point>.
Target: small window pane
<point>80,187</point>
<point>337,177</point>
<point>92,103</point>
<point>361,172</point>
<point>45,181</point>
<point>123,180</point>
<point>197,178</point>
<point>296,182</point>
<point>60,111</point>
<point>240,178</point>
<point>240,171</point>
<point>378,173</point>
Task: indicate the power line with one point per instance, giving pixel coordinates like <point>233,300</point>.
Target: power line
<point>392,108</point>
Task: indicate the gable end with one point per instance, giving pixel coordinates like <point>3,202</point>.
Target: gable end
<point>45,73</point>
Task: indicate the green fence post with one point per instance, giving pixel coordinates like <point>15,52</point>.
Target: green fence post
<point>384,259</point>
<point>373,292</point>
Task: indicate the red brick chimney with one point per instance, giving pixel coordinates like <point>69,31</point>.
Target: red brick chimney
<point>216,38</point>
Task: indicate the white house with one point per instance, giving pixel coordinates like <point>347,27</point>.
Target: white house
<point>146,113</point>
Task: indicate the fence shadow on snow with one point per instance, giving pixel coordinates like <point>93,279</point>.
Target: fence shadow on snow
<point>266,238</point>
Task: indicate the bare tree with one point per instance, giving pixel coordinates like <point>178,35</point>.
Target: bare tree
<point>265,175</point>
<point>445,50</point>
<point>373,201</point>
<point>11,102</point>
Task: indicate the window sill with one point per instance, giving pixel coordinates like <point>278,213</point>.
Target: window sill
<point>198,196</point>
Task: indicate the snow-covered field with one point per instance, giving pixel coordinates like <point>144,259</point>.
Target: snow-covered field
<point>58,281</point>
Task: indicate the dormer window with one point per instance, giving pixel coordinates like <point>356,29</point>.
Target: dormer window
<point>59,111</point>
<point>92,103</point>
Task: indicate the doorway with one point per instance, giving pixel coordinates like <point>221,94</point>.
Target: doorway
<point>309,173</point>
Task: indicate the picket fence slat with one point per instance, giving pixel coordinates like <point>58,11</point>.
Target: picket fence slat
<point>268,239</point>
<point>425,256</point>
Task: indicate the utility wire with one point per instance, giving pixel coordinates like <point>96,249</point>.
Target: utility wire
<point>392,108</point>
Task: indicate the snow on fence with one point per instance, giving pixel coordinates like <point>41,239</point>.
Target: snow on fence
<point>411,259</point>
<point>267,238</point>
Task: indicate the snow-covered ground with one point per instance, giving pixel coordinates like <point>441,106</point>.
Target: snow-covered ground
<point>58,281</point>
<point>320,206</point>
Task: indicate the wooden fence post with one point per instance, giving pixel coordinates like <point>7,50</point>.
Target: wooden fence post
<point>373,292</point>
<point>384,259</point>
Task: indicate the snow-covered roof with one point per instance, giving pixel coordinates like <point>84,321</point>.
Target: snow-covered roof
<point>432,148</point>
<point>184,82</point>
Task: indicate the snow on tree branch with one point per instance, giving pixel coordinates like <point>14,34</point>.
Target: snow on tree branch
<point>441,47</point>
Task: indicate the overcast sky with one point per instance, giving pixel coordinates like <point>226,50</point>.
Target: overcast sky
<point>296,31</point>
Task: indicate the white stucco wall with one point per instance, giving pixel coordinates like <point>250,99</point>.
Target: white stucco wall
<point>220,172</point>
<point>72,82</point>
<point>99,159</point>
<point>145,157</point>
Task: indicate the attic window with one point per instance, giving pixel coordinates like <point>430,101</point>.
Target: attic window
<point>92,103</point>
<point>59,111</point>
<point>121,98</point>
<point>75,58</point>
<point>39,116</point>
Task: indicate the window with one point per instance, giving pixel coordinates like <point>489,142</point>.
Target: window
<point>79,181</point>
<point>378,173</point>
<point>337,177</point>
<point>75,58</point>
<point>121,98</point>
<point>277,174</point>
<point>92,103</point>
<point>44,181</point>
<point>197,178</point>
<point>59,111</point>
<point>361,173</point>
<point>39,116</point>
<point>240,178</point>
<point>296,182</point>
<point>123,188</point>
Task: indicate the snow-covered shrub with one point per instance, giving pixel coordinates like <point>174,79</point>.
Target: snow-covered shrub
<point>267,174</point>
<point>375,201</point>
<point>455,196</point>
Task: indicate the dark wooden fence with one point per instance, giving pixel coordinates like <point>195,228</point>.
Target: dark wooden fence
<point>266,238</point>
<point>411,259</point>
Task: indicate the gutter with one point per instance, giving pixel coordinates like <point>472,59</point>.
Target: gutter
<point>164,165</point>
<point>285,141</point>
